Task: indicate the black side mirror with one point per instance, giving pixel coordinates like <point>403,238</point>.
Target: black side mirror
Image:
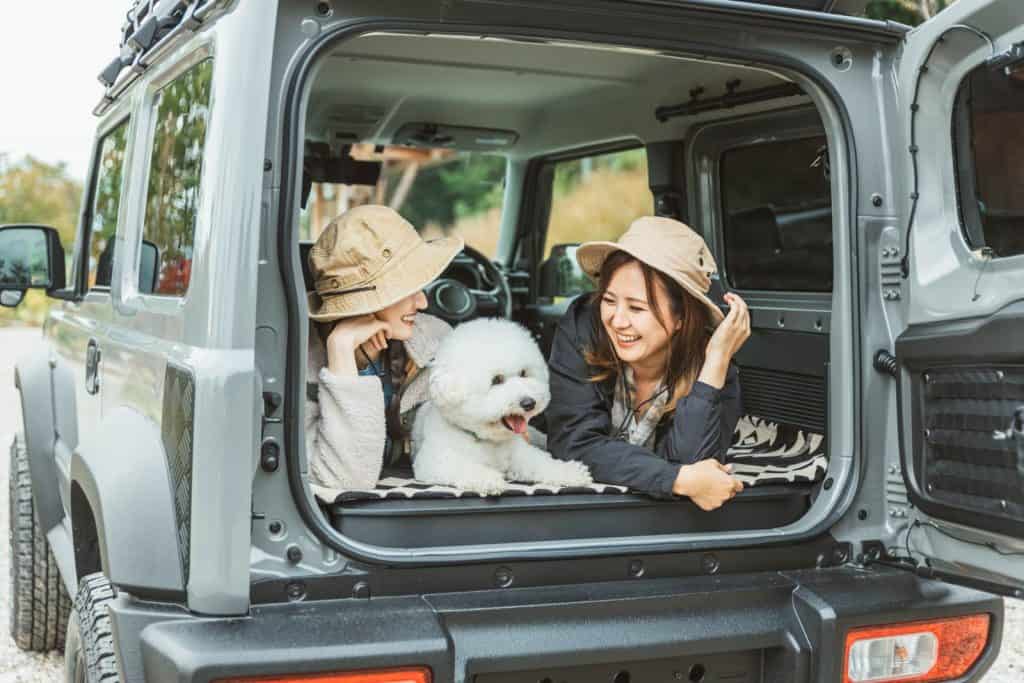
<point>31,257</point>
<point>561,275</point>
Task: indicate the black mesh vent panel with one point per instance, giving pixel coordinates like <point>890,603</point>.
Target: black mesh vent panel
<point>176,429</point>
<point>964,462</point>
<point>786,397</point>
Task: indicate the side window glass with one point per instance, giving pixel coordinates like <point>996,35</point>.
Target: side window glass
<point>595,198</point>
<point>989,131</point>
<point>106,203</point>
<point>777,216</point>
<point>172,195</point>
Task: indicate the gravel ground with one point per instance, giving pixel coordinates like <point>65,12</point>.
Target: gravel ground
<point>23,667</point>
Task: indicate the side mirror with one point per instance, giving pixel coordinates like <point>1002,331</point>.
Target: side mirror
<point>561,275</point>
<point>31,257</point>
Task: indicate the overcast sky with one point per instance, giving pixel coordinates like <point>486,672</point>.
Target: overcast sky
<point>50,55</point>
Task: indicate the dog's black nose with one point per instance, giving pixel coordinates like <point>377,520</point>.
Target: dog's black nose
<point>528,404</point>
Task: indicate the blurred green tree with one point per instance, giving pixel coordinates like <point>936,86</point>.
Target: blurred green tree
<point>32,191</point>
<point>910,12</point>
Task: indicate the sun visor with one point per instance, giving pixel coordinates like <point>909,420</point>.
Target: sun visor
<point>464,138</point>
<point>321,166</point>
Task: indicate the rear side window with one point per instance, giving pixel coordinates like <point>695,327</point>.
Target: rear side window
<point>106,204</point>
<point>597,197</point>
<point>989,142</point>
<point>777,216</point>
<point>172,195</point>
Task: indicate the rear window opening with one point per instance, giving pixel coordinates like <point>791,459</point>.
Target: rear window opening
<point>448,129</point>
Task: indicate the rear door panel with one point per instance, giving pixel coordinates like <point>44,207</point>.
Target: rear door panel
<point>962,355</point>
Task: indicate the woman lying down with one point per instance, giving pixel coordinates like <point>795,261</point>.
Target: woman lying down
<point>375,359</point>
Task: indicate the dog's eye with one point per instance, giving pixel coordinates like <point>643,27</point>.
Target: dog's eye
<point>522,373</point>
<point>497,379</point>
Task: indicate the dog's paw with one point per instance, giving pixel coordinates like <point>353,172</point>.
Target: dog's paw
<point>485,485</point>
<point>569,473</point>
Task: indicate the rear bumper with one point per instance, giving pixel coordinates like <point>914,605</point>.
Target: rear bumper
<point>787,626</point>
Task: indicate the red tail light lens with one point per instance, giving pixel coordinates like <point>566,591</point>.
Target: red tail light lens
<point>417,675</point>
<point>917,652</point>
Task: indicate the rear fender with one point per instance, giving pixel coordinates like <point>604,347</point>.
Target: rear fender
<point>121,472</point>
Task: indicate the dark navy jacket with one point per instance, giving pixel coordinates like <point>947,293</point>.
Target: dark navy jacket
<point>579,418</point>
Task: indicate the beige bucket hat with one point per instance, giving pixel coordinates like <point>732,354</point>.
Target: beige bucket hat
<point>667,245</point>
<point>369,258</point>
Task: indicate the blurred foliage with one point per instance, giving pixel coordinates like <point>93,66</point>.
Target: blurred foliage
<point>456,189</point>
<point>32,191</point>
<point>595,198</point>
<point>910,12</point>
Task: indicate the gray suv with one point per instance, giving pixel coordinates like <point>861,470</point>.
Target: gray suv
<point>858,182</point>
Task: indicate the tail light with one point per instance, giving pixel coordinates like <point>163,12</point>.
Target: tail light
<point>916,652</point>
<point>417,675</point>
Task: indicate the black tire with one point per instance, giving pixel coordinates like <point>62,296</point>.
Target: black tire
<point>39,603</point>
<point>90,656</point>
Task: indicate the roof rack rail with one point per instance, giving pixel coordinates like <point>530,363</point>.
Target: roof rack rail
<point>149,26</point>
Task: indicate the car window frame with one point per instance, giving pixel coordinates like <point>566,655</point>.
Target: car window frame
<point>703,155</point>
<point>83,235</point>
<point>723,262</point>
<point>538,200</point>
<point>129,275</point>
<point>82,263</point>
<point>970,226</point>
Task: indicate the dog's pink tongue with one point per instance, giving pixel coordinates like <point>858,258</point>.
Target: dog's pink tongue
<point>517,423</point>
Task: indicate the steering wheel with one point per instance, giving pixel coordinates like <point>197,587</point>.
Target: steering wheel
<point>452,300</point>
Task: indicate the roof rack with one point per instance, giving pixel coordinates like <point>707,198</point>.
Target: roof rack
<point>149,27</point>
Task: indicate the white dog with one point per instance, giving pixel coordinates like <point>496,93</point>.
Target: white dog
<point>486,382</point>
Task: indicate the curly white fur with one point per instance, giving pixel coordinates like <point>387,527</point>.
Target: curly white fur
<point>487,379</point>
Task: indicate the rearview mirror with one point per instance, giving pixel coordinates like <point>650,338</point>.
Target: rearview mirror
<point>561,275</point>
<point>31,257</point>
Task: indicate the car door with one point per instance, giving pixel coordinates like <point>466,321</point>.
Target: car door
<point>961,356</point>
<point>78,327</point>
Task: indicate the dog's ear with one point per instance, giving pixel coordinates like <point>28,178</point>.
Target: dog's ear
<point>446,387</point>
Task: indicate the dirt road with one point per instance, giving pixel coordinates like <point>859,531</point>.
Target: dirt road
<point>21,667</point>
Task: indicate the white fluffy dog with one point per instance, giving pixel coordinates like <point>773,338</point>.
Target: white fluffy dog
<point>486,382</point>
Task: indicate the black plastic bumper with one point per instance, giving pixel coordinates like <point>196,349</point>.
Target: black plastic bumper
<point>786,626</point>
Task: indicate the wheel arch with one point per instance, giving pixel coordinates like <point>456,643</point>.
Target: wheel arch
<point>123,509</point>
<point>35,382</point>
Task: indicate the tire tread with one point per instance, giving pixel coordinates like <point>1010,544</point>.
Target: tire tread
<point>40,604</point>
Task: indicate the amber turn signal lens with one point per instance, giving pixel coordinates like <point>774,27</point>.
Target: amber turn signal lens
<point>916,652</point>
<point>420,675</point>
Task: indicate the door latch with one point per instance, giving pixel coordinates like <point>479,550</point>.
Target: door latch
<point>92,367</point>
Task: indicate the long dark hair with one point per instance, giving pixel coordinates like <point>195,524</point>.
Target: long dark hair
<point>686,345</point>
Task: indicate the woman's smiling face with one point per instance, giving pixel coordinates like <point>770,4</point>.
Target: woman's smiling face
<point>627,316</point>
<point>401,315</point>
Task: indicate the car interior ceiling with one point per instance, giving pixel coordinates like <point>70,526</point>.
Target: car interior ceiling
<point>371,86</point>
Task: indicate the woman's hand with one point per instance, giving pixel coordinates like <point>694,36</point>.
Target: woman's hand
<point>727,339</point>
<point>707,483</point>
<point>348,335</point>
<point>730,335</point>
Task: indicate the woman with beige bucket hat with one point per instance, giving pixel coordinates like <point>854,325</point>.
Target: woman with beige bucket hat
<point>369,343</point>
<point>642,386</point>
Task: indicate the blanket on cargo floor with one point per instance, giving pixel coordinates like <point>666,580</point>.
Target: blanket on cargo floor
<point>762,453</point>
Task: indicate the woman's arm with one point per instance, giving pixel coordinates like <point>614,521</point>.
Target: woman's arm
<point>345,432</point>
<point>704,421</point>
<point>344,422</point>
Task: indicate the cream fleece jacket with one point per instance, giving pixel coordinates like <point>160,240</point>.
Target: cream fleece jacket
<point>346,428</point>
